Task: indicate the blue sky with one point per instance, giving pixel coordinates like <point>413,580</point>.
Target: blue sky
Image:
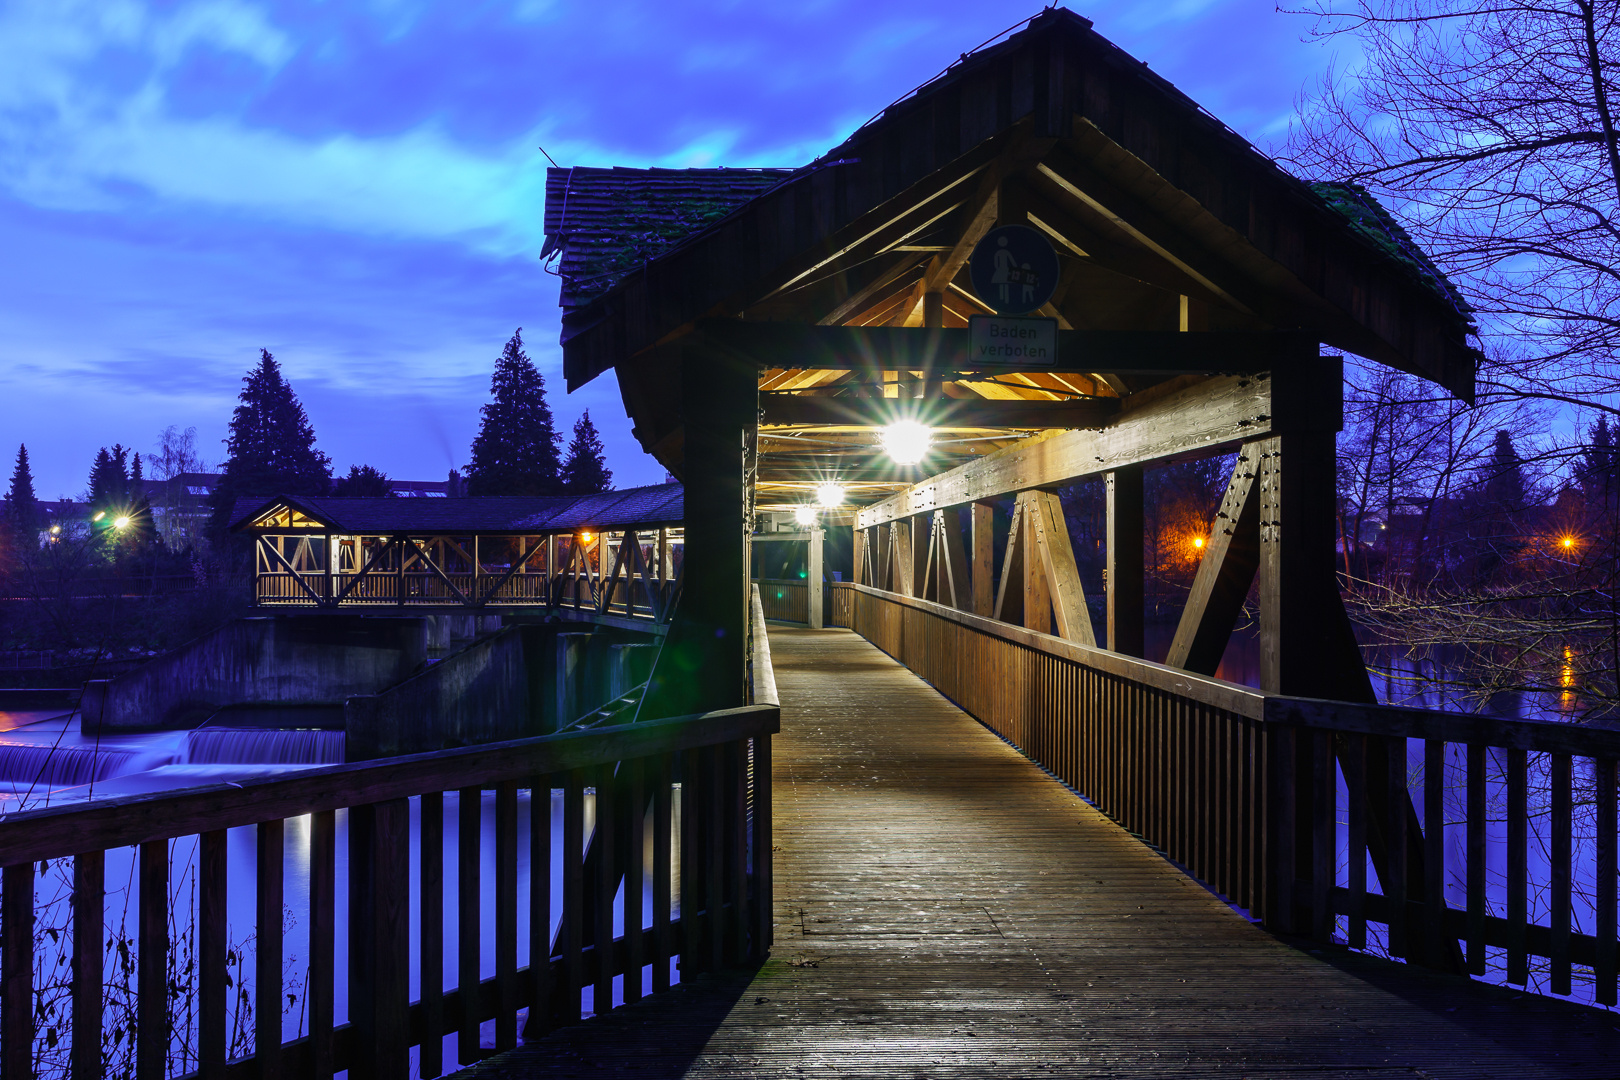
<point>357,186</point>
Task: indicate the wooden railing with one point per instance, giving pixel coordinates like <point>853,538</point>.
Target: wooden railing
<point>1467,843</point>
<point>418,589</point>
<point>784,600</point>
<point>699,786</point>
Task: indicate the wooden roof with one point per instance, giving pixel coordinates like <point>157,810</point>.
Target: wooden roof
<point>658,504</point>
<point>605,223</point>
<point>1164,220</point>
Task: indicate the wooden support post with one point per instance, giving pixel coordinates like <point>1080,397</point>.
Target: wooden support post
<point>954,586</point>
<point>1124,555</point>
<point>858,556</point>
<point>1231,556</point>
<point>984,553</point>
<point>813,579</point>
<point>1037,596</point>
<point>702,663</point>
<point>922,535</point>
<point>901,543</point>
<point>1010,591</point>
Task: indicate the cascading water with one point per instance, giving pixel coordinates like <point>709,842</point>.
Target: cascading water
<point>261,746</point>
<point>69,766</point>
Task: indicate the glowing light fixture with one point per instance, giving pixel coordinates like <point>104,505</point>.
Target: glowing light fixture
<point>55,529</point>
<point>1569,542</point>
<point>804,515</point>
<point>586,537</point>
<point>907,441</point>
<point>120,522</point>
<point>99,515</point>
<point>830,495</point>
<point>1198,541</point>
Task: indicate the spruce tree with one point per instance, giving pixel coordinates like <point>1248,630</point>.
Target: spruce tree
<point>109,479</point>
<point>584,470</point>
<point>22,506</point>
<point>271,445</point>
<point>515,452</point>
<point>363,482</point>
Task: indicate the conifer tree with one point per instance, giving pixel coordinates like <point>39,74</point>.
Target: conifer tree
<point>515,451</point>
<point>271,445</point>
<point>363,482</point>
<point>584,470</point>
<point>109,478</point>
<point>22,506</point>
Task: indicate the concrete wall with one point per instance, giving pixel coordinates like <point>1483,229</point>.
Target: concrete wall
<point>525,680</point>
<point>294,661</point>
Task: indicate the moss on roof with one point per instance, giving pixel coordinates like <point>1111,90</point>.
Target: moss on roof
<point>1368,217</point>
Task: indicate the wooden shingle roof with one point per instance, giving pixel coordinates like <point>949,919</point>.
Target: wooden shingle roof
<point>604,223</point>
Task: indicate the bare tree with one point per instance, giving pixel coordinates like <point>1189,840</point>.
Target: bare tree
<point>1490,128</point>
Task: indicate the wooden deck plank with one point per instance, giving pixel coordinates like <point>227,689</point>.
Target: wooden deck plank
<point>946,909</point>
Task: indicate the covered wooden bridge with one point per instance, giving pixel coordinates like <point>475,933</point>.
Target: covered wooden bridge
<point>893,889</point>
<point>616,552</point>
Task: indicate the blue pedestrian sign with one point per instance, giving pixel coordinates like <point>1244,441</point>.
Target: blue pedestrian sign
<point>1014,269</point>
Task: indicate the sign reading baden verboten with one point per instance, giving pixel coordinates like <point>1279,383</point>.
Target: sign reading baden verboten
<point>1014,271</point>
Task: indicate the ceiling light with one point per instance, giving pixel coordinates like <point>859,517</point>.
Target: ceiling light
<point>829,495</point>
<point>804,515</point>
<point>906,441</point>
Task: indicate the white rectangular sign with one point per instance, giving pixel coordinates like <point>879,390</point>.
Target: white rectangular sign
<point>1009,339</point>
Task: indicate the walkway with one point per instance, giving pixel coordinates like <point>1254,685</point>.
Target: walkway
<point>945,909</point>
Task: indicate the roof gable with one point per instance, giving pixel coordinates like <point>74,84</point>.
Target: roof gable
<point>657,504</point>
<point>1176,198</point>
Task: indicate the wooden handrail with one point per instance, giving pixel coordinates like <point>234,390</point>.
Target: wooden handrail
<point>54,832</point>
<point>1207,690</point>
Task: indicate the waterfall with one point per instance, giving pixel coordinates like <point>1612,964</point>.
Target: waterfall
<point>263,746</point>
<point>69,766</point>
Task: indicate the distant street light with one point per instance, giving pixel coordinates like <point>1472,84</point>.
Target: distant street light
<point>120,522</point>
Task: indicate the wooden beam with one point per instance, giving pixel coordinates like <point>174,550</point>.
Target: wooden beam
<point>900,546</point>
<point>955,581</point>
<point>866,295</point>
<point>984,547</point>
<point>1123,544</point>
<point>796,409</point>
<point>1198,418</point>
<point>1058,565</point>
<point>1231,557</point>
<point>1010,595</point>
<point>880,348</point>
<point>1037,597</point>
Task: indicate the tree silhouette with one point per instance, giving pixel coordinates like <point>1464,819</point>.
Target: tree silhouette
<point>515,452</point>
<point>271,446</point>
<point>584,470</point>
<point>363,482</point>
<point>21,522</point>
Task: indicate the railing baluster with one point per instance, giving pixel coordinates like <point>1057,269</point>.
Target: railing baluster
<point>17,976</point>
<point>663,865</point>
<point>1559,857</point>
<point>694,922</point>
<point>430,932</point>
<point>1354,762</point>
<point>379,940</point>
<point>734,757</point>
<point>268,948</point>
<point>607,882</point>
<point>541,990</point>
<point>506,904</point>
<point>764,915</point>
<point>1603,779</point>
<point>635,816</point>
<point>1395,885</point>
<point>714,858</point>
<point>1434,851</point>
<point>151,975</point>
<point>212,947</point>
<point>469,937</point>
<point>322,939</point>
<point>89,928</point>
<point>1518,965</point>
<point>1478,830</point>
<point>573,910</point>
<point>1324,819</point>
